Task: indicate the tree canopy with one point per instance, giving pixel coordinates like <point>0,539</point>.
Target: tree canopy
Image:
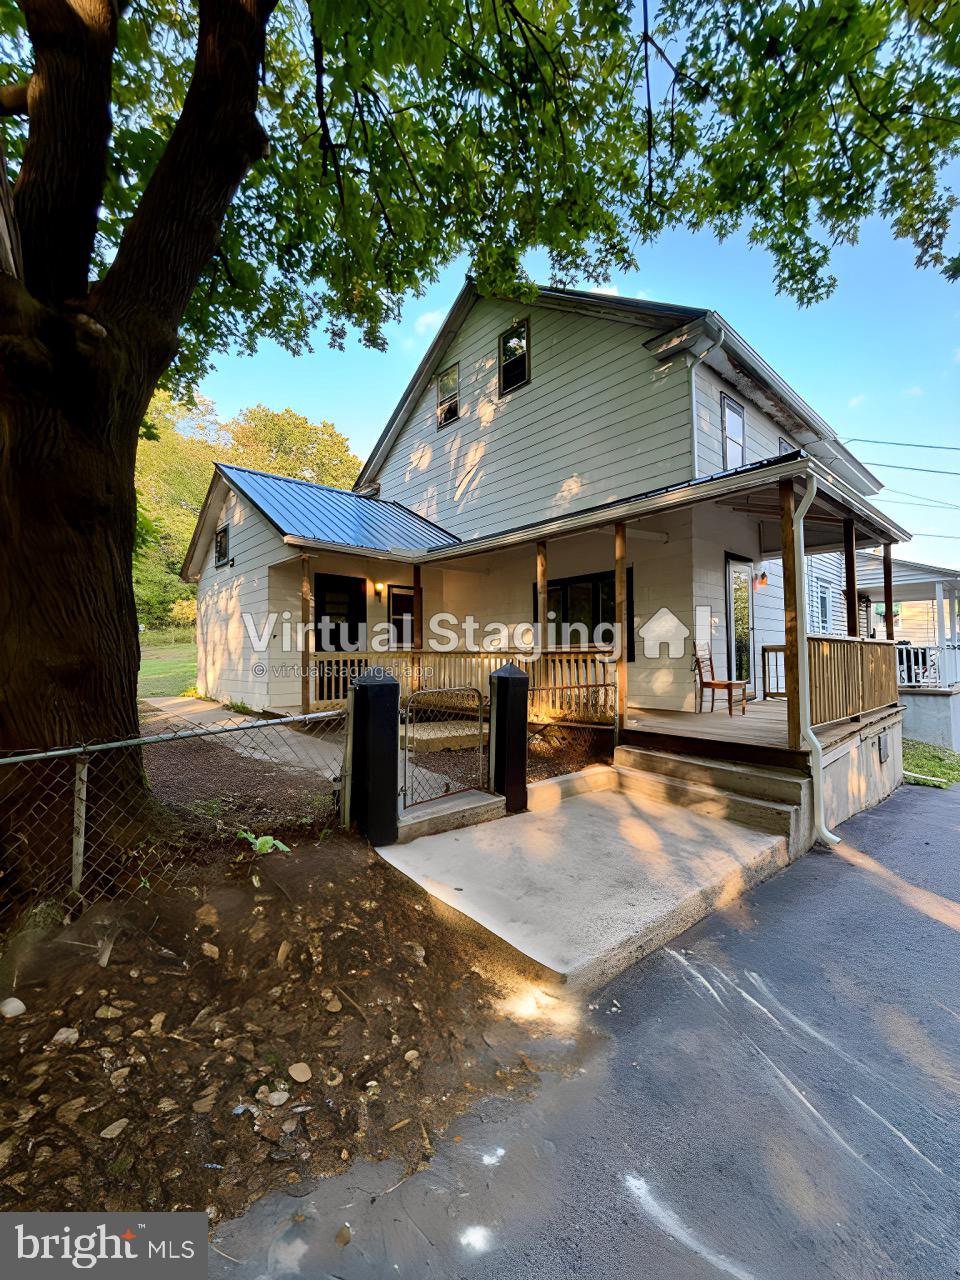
<point>397,134</point>
<point>175,461</point>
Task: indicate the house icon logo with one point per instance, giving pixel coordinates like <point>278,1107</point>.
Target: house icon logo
<point>664,628</point>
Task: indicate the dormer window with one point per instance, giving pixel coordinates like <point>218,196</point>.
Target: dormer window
<point>514,357</point>
<point>221,546</point>
<point>448,395</point>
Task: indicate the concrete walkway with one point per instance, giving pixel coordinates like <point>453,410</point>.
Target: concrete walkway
<point>594,883</point>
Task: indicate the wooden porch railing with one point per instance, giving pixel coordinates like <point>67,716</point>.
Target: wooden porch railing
<point>564,684</point>
<point>849,676</point>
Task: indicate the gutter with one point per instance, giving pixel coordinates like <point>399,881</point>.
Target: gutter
<point>694,364</point>
<point>806,728</point>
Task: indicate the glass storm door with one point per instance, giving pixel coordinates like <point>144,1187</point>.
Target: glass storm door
<point>740,619</point>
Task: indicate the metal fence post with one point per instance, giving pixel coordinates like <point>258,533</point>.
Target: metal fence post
<point>346,773</point>
<point>509,688</point>
<point>79,820</point>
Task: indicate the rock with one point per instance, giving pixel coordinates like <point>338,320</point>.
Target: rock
<point>288,1126</point>
<point>300,1072</point>
<point>416,951</point>
<point>283,953</point>
<point>12,1007</point>
<point>211,950</point>
<point>332,1078</point>
<point>205,1104</point>
<point>333,1006</point>
<point>167,1104</point>
<point>156,1022</point>
<point>277,1098</point>
<point>411,1055</point>
<point>108,1011</point>
<point>207,915</point>
<point>344,1235</point>
<point>117,1077</point>
<point>114,1130</point>
<point>66,1035</point>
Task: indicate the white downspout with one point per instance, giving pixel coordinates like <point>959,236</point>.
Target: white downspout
<point>806,728</point>
<point>694,448</point>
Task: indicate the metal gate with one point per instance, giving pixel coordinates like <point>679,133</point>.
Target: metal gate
<point>443,733</point>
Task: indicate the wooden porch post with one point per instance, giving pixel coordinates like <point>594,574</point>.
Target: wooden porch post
<point>417,609</point>
<point>305,627</point>
<point>542,592</point>
<point>888,588</point>
<point>620,604</point>
<point>791,618</point>
<point>850,576</point>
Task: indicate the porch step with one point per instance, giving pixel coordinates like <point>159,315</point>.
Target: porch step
<point>758,782</point>
<point>773,816</point>
<point>449,813</point>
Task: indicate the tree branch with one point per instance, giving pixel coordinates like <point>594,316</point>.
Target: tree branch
<point>13,99</point>
<point>60,185</point>
<point>175,229</point>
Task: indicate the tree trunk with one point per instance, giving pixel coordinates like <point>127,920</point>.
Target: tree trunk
<point>69,648</point>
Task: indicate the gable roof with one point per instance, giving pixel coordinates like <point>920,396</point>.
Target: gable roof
<point>700,331</point>
<point>299,509</point>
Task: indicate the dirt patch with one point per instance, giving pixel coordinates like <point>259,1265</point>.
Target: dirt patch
<point>197,1051</point>
<point>558,749</point>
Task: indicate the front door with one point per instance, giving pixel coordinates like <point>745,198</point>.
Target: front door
<point>342,603</point>
<point>740,619</point>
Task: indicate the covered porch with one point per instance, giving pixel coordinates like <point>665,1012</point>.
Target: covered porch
<point>715,566</point>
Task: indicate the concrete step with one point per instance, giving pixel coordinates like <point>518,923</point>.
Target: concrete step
<point>773,816</point>
<point>756,781</point>
<point>545,795</point>
<point>449,813</point>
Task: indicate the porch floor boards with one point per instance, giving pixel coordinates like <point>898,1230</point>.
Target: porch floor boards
<point>758,737</point>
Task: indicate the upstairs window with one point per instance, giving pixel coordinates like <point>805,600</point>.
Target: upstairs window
<point>448,395</point>
<point>786,447</point>
<point>221,551</point>
<point>734,451</point>
<point>514,357</point>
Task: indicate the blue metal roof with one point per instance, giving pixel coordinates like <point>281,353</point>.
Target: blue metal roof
<point>303,510</point>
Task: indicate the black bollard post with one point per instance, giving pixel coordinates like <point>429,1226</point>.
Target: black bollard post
<point>376,748</point>
<point>509,686</point>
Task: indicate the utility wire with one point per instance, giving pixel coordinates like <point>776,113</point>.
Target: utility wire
<point>898,466</point>
<point>901,444</point>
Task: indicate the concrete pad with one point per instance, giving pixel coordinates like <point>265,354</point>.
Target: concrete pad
<point>589,886</point>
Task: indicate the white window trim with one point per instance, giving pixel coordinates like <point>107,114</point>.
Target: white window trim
<point>726,400</point>
<point>821,585</point>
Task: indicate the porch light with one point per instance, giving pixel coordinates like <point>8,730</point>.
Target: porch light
<point>378,591</point>
<point>760,580</point>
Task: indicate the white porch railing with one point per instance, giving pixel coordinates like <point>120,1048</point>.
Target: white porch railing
<point>927,666</point>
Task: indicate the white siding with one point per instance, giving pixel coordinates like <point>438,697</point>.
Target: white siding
<point>225,657</point>
<point>762,434</point>
<point>827,568</point>
<point>600,419</point>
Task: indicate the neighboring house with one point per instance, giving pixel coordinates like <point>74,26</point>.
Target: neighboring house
<point>926,602</point>
<point>585,459</point>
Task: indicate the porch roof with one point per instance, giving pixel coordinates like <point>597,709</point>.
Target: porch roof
<point>911,580</point>
<point>752,488</point>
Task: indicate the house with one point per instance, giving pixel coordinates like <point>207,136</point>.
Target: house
<point>575,462</point>
<point>926,599</point>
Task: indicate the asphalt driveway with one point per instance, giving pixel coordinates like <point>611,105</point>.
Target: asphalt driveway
<point>775,1097</point>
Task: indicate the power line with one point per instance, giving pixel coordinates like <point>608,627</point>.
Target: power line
<point>898,466</point>
<point>900,444</point>
<point>904,493</point>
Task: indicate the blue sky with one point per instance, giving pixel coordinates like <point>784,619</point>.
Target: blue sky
<point>879,359</point>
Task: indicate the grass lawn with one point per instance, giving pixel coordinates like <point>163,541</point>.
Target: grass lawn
<point>167,670</point>
<point>932,762</point>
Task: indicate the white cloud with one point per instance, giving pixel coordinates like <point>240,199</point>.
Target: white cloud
<point>427,323</point>
<point>913,391</point>
<point>855,401</point>
<point>612,289</point>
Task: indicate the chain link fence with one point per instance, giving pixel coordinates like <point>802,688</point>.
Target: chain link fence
<point>147,814</point>
<point>442,735</point>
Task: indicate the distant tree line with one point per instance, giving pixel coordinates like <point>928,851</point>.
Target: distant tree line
<point>179,443</point>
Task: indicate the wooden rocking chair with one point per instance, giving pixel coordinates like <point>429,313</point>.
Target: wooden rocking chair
<point>703,656</point>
